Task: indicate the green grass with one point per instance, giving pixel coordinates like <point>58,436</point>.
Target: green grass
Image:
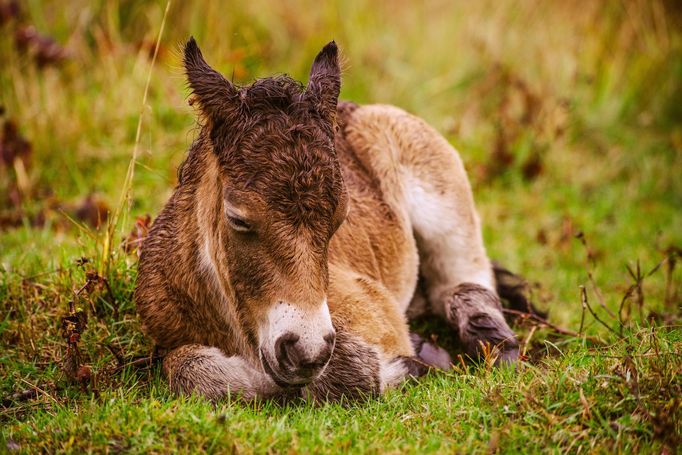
<point>567,117</point>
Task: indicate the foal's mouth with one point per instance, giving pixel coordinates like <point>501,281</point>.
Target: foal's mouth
<point>278,379</point>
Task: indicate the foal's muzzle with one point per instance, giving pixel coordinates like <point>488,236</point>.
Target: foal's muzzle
<point>296,344</point>
<point>294,359</point>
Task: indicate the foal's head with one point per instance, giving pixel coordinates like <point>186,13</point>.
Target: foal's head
<point>282,197</point>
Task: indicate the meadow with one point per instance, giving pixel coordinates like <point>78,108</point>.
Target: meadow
<point>568,116</point>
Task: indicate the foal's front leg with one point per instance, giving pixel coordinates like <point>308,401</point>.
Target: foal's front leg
<point>207,371</point>
<point>353,372</point>
<point>356,372</point>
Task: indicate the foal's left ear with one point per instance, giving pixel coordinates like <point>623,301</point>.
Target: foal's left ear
<point>324,84</point>
<point>215,94</point>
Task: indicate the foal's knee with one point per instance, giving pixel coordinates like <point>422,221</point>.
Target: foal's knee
<point>476,314</point>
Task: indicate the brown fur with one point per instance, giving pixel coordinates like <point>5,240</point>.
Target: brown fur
<point>286,196</point>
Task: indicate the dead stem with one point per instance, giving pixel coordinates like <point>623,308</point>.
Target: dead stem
<point>546,323</point>
<point>590,276</point>
<point>125,197</point>
<point>583,299</point>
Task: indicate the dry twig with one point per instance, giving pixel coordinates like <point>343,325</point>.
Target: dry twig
<point>543,322</point>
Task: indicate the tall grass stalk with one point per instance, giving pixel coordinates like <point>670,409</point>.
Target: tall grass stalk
<point>126,192</point>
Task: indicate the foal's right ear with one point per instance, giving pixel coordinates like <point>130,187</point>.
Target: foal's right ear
<point>324,83</point>
<point>214,93</point>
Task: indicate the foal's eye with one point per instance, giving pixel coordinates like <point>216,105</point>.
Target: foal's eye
<point>238,224</point>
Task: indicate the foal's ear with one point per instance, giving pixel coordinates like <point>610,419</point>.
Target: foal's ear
<point>213,92</point>
<point>324,83</point>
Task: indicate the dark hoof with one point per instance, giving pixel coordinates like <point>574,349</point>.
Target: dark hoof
<point>508,357</point>
<point>430,354</point>
<point>475,313</point>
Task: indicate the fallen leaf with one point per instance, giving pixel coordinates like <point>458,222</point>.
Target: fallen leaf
<point>9,10</point>
<point>13,145</point>
<point>533,167</point>
<point>84,376</point>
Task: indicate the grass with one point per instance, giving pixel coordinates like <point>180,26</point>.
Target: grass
<point>567,116</point>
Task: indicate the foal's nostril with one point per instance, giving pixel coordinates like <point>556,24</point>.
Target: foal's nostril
<point>310,367</point>
<point>323,356</point>
<point>285,350</point>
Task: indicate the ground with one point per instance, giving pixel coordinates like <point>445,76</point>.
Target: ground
<point>568,117</point>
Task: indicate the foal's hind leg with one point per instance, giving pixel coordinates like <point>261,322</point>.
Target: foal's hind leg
<point>421,173</point>
<point>457,273</point>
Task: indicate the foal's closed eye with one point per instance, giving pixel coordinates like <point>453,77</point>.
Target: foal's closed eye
<point>238,224</point>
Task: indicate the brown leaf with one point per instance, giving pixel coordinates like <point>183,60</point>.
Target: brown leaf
<point>541,236</point>
<point>149,47</point>
<point>84,376</point>
<point>533,167</point>
<point>15,154</point>
<point>13,145</point>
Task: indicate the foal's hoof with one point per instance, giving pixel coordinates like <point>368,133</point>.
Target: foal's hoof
<point>508,357</point>
<point>475,312</point>
<point>430,354</point>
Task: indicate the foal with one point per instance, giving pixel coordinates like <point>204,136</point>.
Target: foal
<point>289,254</point>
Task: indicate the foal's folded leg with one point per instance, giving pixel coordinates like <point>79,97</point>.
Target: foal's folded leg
<point>353,373</point>
<point>207,371</point>
<point>372,352</point>
<point>358,371</point>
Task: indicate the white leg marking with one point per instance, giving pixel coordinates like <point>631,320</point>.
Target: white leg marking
<point>449,238</point>
<point>393,372</point>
